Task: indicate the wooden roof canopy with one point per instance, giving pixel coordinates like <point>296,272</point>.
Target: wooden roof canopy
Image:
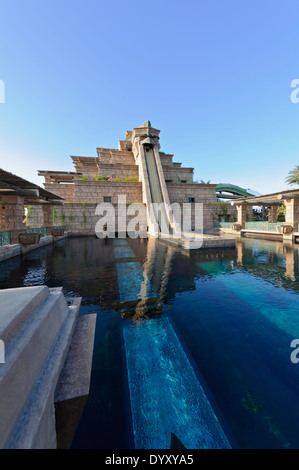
<point>13,185</point>
<point>268,199</point>
<point>60,176</point>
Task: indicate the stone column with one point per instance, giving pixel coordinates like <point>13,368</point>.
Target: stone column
<point>47,215</point>
<point>2,216</point>
<point>13,213</point>
<point>272,214</point>
<point>292,213</point>
<point>241,214</point>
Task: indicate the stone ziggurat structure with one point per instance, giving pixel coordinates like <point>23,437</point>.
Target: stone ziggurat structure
<point>124,171</point>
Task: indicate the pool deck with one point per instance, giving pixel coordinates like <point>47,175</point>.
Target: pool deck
<point>265,234</point>
<point>9,251</point>
<point>202,242</point>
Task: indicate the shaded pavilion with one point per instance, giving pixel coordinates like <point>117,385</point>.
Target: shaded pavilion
<point>272,202</point>
<point>15,194</point>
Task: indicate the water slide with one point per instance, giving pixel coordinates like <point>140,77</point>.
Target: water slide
<point>169,223</point>
<point>235,190</point>
<point>155,189</point>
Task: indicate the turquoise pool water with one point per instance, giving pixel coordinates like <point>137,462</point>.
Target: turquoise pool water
<point>197,346</point>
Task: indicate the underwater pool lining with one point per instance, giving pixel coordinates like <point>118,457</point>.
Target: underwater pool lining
<point>168,397</point>
<point>283,320</point>
<point>155,356</point>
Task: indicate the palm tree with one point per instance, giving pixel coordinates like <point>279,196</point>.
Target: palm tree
<point>293,177</point>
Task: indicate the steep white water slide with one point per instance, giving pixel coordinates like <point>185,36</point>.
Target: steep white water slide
<point>169,221</point>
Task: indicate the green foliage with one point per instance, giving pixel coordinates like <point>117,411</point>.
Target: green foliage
<point>70,205</point>
<point>281,211</point>
<point>83,178</point>
<point>54,215</point>
<point>62,216</point>
<point>100,178</point>
<point>223,208</point>
<point>293,176</point>
<point>131,178</point>
<point>29,212</point>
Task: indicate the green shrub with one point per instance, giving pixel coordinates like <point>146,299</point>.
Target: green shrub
<point>131,178</point>
<point>70,205</point>
<point>54,215</point>
<point>29,212</point>
<point>62,217</point>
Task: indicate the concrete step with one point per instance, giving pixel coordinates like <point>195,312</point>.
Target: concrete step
<point>36,325</point>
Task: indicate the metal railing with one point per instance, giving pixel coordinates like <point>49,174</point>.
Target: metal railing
<point>263,226</point>
<point>41,230</point>
<point>8,237</point>
<point>223,224</point>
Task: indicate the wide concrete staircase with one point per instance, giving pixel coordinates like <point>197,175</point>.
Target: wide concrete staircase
<point>36,327</point>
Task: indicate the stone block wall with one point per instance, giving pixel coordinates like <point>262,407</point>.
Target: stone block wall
<point>123,171</point>
<point>114,156</point>
<point>180,192</point>
<point>95,191</point>
<point>87,166</point>
<point>166,159</point>
<point>35,218</point>
<point>207,219</point>
<point>66,191</point>
<point>174,170</point>
<point>177,174</point>
<point>81,217</point>
<point>12,212</point>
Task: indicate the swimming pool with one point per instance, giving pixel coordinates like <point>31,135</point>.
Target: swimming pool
<point>196,345</point>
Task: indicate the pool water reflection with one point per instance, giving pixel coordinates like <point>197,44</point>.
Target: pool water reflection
<point>234,313</point>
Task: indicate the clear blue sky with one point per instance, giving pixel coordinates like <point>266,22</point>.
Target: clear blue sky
<point>213,75</point>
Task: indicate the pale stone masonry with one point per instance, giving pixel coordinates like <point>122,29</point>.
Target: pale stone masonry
<point>123,171</point>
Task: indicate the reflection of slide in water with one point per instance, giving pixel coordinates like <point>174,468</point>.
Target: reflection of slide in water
<point>166,395</point>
